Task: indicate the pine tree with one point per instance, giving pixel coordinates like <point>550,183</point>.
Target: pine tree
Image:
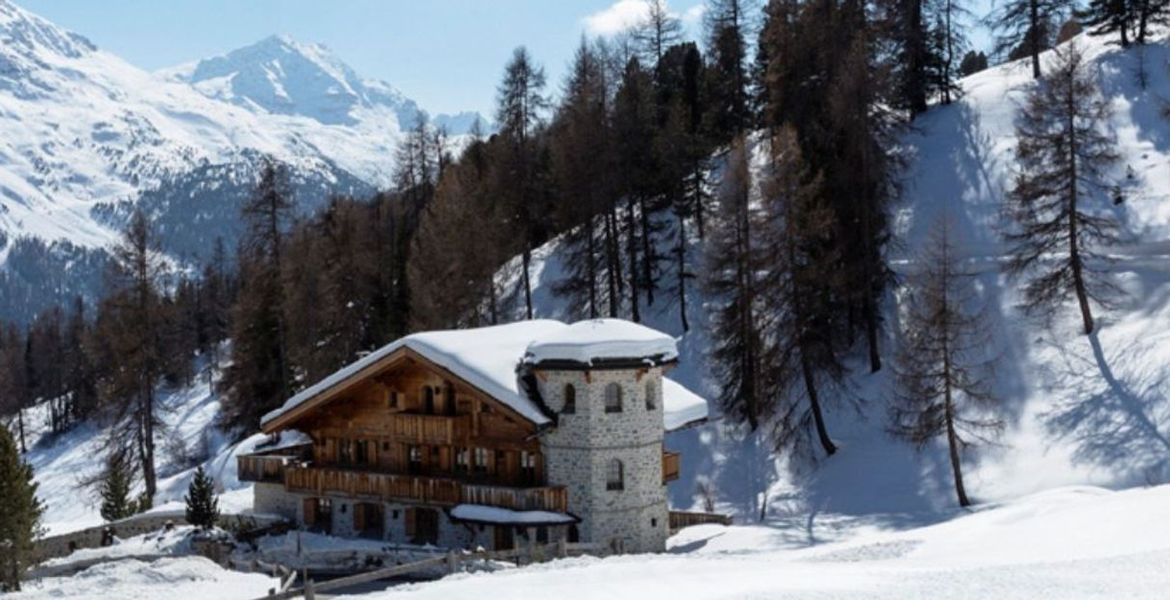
<point>727,23</point>
<point>942,370</point>
<point>20,518</point>
<point>973,62</point>
<point>202,504</point>
<point>114,488</point>
<point>1062,154</point>
<point>1103,17</point>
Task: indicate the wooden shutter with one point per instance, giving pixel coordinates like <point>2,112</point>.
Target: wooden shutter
<point>409,523</point>
<point>310,508</point>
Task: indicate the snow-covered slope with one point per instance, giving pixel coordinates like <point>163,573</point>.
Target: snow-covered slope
<point>1079,410</point>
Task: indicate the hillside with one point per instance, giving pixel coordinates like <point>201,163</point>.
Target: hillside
<point>86,136</point>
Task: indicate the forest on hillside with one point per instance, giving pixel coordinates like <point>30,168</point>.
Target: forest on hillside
<point>773,141</point>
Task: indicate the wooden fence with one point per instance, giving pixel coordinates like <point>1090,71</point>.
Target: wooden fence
<point>680,519</point>
<point>449,562</point>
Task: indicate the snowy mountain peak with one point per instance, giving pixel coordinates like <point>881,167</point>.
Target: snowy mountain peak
<point>26,38</point>
<point>280,75</point>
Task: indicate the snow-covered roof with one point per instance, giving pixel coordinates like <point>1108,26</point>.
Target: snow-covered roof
<point>487,357</point>
<point>492,514</point>
<point>602,339</point>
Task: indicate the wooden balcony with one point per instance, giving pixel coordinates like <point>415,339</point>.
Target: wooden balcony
<point>430,429</point>
<point>416,489</point>
<point>551,498</point>
<point>262,468</point>
<point>671,463</point>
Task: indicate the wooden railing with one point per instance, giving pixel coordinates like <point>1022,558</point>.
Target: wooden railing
<point>430,429</point>
<point>671,462</point>
<point>680,519</point>
<point>384,486</point>
<point>258,467</point>
<point>553,498</point>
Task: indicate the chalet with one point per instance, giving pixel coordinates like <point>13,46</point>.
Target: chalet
<point>532,431</point>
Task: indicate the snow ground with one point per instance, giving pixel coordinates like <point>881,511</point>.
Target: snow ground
<point>1076,542</point>
<point>187,577</point>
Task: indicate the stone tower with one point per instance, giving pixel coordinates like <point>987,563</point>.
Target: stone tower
<point>605,389</point>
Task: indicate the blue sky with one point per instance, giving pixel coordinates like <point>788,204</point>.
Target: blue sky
<point>447,55</point>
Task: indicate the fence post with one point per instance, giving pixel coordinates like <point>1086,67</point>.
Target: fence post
<point>452,562</point>
<point>309,593</point>
<point>562,547</point>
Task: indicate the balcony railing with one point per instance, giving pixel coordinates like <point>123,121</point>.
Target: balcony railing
<point>262,468</point>
<point>430,429</point>
<point>412,488</point>
<point>671,462</point>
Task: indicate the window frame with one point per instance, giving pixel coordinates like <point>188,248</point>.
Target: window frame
<point>613,403</point>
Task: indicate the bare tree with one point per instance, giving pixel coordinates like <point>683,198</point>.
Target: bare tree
<point>1062,155</point>
<point>943,372</point>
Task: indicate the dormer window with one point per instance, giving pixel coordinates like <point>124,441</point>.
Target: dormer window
<point>651,396</point>
<point>613,398</point>
<point>570,406</point>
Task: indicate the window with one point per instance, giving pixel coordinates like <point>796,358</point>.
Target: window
<point>428,394</point>
<point>528,467</point>
<point>414,456</point>
<point>361,452</point>
<point>345,452</point>
<point>614,478</point>
<point>570,406</point>
<point>462,460</point>
<point>613,398</point>
<point>481,455</point>
<point>392,399</point>
<point>653,522</point>
<point>449,400</point>
<point>484,407</point>
<point>651,396</point>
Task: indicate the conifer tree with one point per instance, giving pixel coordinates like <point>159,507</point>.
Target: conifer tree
<point>258,379</point>
<point>800,277</point>
<point>942,371</point>
<point>726,24</point>
<point>731,282</point>
<point>202,504</point>
<point>657,31</point>
<point>1063,154</point>
<point>520,105</point>
<point>114,488</point>
<point>20,518</point>
<point>1026,24</point>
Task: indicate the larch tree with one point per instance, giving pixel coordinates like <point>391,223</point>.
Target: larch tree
<point>520,107</point>
<point>258,379</point>
<point>943,370</point>
<point>1062,153</point>
<point>726,25</point>
<point>20,519</point>
<point>1027,24</point>
<point>657,31</point>
<point>800,276</point>
<point>132,330</point>
<point>731,281</point>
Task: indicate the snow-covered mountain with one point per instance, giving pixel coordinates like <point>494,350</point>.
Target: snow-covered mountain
<point>84,136</point>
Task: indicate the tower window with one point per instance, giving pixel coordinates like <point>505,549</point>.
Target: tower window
<point>651,396</point>
<point>570,406</point>
<point>614,475</point>
<point>613,398</point>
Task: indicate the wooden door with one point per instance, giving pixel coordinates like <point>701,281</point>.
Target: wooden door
<point>504,537</point>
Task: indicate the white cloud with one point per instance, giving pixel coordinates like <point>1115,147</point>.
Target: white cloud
<point>618,17</point>
<point>693,16</point>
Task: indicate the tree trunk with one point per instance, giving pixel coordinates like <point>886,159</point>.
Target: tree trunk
<point>647,254</point>
<point>591,267</point>
<point>614,276</point>
<point>20,427</point>
<point>1073,243</point>
<point>526,259</point>
<point>953,442</point>
<point>1034,36</point>
<point>815,405</point>
<point>871,334</point>
<point>148,474</point>
<point>681,255</point>
<point>632,254</point>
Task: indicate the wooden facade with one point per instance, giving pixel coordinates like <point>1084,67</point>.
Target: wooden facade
<point>407,430</point>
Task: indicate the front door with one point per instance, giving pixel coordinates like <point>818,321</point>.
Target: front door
<point>505,539</point>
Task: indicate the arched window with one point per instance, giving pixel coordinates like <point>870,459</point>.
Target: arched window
<point>613,398</point>
<point>614,475</point>
<point>651,396</point>
<point>570,406</point>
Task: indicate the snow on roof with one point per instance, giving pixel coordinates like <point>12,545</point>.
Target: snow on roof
<point>492,514</point>
<point>487,357</point>
<point>601,339</point>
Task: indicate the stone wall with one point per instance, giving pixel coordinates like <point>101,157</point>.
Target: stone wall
<point>578,453</point>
